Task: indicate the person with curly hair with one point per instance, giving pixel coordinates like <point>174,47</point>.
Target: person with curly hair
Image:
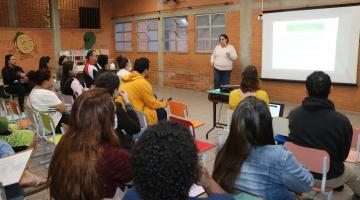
<point>249,86</point>
<point>165,166</point>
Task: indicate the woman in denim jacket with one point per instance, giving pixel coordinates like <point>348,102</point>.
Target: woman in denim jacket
<point>251,162</point>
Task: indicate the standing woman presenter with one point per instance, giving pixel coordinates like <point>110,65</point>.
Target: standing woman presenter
<point>222,59</point>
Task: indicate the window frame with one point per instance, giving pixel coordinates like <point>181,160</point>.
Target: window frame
<point>148,37</point>
<point>210,27</point>
<point>124,41</point>
<point>177,29</point>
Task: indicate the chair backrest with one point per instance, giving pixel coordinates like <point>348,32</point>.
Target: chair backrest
<point>142,118</point>
<point>312,158</point>
<point>68,99</point>
<point>281,126</point>
<point>3,106</point>
<point>14,108</point>
<point>30,114</point>
<point>229,114</point>
<point>184,122</point>
<point>355,138</point>
<point>178,109</point>
<point>47,122</point>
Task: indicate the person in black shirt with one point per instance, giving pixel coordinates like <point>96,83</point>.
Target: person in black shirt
<point>15,80</point>
<point>126,122</point>
<point>316,124</point>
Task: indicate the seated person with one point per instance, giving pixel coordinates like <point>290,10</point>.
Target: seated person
<point>44,63</point>
<point>15,80</point>
<point>43,99</point>
<point>90,68</point>
<point>141,94</point>
<point>249,86</point>
<point>165,166</point>
<point>318,125</point>
<point>124,65</point>
<point>126,122</point>
<point>250,161</point>
<point>28,179</point>
<point>18,139</point>
<point>69,84</point>
<point>103,63</point>
<point>88,159</point>
<point>59,70</point>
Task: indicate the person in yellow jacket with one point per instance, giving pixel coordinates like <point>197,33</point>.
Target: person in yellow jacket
<point>140,92</point>
<point>249,86</point>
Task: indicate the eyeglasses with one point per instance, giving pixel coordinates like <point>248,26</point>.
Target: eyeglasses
<point>221,39</point>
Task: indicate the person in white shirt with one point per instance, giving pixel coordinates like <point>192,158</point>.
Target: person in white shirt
<point>43,99</point>
<point>222,59</point>
<point>124,65</point>
<point>69,84</point>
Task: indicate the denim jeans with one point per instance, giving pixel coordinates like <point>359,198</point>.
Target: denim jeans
<point>221,77</point>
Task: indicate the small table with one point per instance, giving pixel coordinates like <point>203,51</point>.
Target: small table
<point>216,96</point>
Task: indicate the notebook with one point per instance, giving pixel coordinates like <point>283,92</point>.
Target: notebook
<point>196,191</point>
<point>12,167</point>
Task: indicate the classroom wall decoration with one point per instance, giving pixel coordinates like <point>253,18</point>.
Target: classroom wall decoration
<point>89,40</point>
<point>23,43</point>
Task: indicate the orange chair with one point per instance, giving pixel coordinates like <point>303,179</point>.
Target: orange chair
<point>318,162</point>
<point>22,120</point>
<point>179,109</point>
<point>355,147</point>
<point>201,146</point>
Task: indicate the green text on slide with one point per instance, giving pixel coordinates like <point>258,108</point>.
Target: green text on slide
<point>305,27</point>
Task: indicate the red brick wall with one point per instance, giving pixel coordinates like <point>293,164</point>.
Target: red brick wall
<point>44,44</point>
<point>195,3</point>
<point>43,41</point>
<point>133,7</point>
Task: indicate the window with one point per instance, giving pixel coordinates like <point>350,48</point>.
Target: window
<point>147,35</point>
<point>176,34</point>
<point>89,17</point>
<point>208,29</point>
<point>123,37</point>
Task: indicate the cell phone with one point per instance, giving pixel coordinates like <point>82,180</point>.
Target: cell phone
<point>169,99</point>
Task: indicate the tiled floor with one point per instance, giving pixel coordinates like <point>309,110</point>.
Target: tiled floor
<point>201,109</point>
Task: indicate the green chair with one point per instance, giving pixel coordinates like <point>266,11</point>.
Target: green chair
<point>48,124</point>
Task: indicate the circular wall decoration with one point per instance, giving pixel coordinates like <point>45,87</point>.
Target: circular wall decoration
<point>24,43</point>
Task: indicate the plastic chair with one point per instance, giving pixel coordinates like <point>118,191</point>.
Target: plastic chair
<point>18,116</point>
<point>355,145</point>
<point>318,162</point>
<point>179,109</point>
<point>200,145</point>
<point>68,101</point>
<point>48,124</point>
<point>143,124</point>
<point>34,122</point>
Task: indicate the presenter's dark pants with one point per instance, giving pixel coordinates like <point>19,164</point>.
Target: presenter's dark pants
<point>221,77</point>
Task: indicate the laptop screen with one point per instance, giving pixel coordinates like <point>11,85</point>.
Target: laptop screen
<point>276,109</point>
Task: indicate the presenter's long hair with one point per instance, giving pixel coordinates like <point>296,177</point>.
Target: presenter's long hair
<point>72,173</point>
<point>251,125</point>
<point>250,79</point>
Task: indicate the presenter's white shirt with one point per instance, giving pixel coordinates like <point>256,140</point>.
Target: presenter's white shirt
<point>219,58</point>
<point>41,100</point>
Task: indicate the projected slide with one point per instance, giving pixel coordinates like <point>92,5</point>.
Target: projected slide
<point>305,44</point>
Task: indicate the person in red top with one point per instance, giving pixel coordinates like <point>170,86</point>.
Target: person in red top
<point>91,68</point>
<point>88,162</point>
